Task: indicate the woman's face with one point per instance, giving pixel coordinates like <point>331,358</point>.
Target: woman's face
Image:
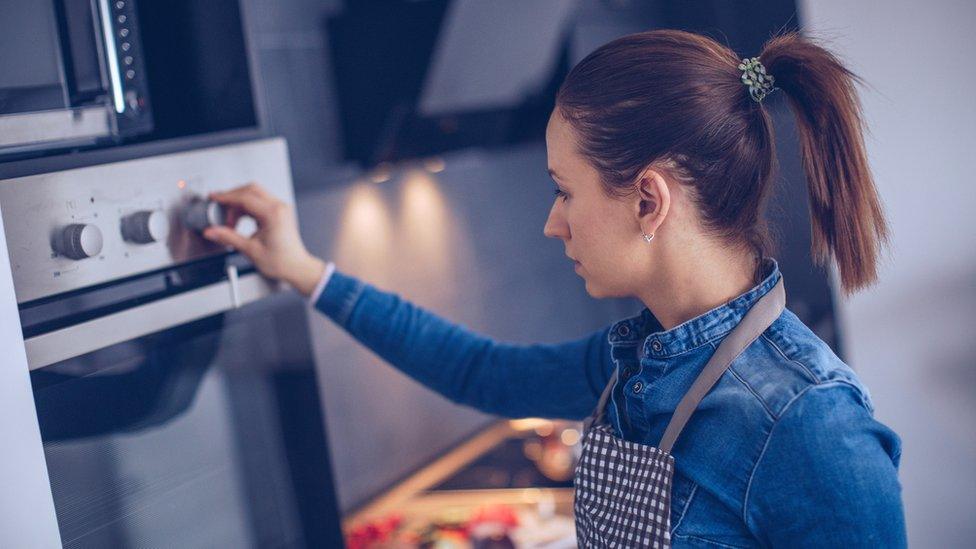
<point>601,233</point>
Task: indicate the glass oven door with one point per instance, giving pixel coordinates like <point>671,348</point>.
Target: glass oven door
<point>206,434</point>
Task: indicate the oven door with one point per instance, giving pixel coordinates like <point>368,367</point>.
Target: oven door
<point>207,433</point>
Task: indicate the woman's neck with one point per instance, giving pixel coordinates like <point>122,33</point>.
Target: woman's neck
<point>688,285</point>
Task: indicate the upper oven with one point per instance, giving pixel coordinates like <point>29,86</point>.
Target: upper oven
<point>72,72</point>
<point>85,82</point>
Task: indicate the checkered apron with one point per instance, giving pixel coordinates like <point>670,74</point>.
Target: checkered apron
<point>623,488</point>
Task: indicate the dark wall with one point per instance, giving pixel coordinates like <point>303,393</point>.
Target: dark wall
<point>292,57</point>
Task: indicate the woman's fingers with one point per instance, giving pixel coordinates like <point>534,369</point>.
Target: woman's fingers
<point>276,249</point>
<point>250,199</point>
<point>229,237</point>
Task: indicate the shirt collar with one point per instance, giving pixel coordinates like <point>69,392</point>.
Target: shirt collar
<point>698,331</point>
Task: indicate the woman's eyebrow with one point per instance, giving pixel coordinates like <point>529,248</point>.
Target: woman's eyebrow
<point>553,173</point>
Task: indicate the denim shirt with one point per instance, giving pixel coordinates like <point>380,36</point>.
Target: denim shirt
<point>783,451</point>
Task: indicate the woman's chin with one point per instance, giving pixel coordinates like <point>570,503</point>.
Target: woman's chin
<point>592,290</point>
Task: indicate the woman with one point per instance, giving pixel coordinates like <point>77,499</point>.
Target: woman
<point>663,157</point>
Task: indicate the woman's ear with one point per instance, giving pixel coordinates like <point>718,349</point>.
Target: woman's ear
<point>653,200</point>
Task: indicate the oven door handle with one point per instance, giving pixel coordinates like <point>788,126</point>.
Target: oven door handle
<point>55,346</point>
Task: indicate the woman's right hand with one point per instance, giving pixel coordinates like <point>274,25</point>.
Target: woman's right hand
<point>276,248</point>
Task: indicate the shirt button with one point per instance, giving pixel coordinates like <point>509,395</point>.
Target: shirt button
<point>656,345</point>
<point>637,387</point>
<point>623,330</point>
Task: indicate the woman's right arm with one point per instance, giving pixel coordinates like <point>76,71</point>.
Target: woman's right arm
<point>562,380</point>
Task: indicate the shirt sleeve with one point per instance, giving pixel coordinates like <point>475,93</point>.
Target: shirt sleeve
<point>561,380</point>
<point>326,275</point>
<point>827,476</point>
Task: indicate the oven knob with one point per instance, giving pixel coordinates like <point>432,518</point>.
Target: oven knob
<point>200,214</point>
<point>79,241</point>
<point>145,227</point>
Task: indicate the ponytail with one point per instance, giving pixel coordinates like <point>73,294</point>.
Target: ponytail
<point>846,214</point>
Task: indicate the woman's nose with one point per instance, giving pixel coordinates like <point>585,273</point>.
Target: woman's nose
<point>555,227</point>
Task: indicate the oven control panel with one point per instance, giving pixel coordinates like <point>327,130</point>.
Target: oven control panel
<point>76,228</point>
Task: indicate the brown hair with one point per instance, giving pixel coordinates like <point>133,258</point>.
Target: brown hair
<point>674,100</point>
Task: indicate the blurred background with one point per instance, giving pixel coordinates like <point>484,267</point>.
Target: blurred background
<point>419,163</point>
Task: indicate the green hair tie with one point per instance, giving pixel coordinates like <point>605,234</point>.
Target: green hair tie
<point>754,75</point>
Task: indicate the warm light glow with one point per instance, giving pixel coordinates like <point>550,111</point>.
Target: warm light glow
<point>529,423</point>
<point>434,164</point>
<point>570,437</point>
<point>544,430</point>
<point>426,225</point>
<point>181,184</point>
<point>381,173</point>
<point>365,240</point>
<point>435,253</point>
<point>406,237</point>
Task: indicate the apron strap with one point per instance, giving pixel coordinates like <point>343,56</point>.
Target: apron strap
<point>597,417</point>
<point>759,317</point>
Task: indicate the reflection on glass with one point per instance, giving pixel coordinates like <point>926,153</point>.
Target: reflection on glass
<point>205,435</point>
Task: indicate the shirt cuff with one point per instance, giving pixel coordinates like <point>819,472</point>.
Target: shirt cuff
<point>317,292</point>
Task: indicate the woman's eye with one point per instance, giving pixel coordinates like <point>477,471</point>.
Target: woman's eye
<point>559,192</point>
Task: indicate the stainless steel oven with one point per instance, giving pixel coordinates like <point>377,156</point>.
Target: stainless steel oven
<point>174,387</point>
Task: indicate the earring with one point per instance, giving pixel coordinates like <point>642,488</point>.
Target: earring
<point>647,237</point>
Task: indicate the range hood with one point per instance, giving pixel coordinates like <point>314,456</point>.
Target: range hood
<point>418,78</point>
